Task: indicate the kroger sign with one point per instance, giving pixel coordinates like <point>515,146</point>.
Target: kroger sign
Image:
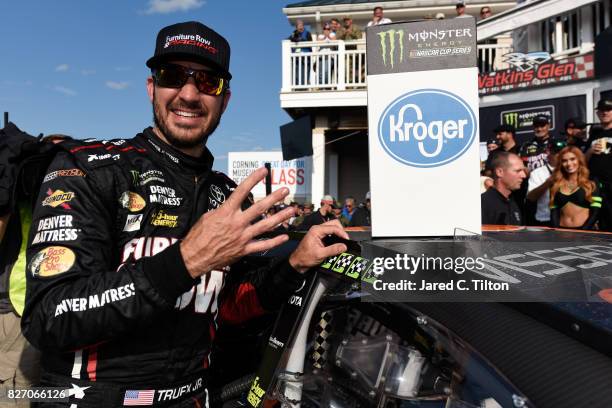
<point>427,128</point>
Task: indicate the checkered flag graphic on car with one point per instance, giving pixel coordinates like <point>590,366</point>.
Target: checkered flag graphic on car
<point>329,262</point>
<point>343,262</point>
<point>357,268</point>
<point>321,346</point>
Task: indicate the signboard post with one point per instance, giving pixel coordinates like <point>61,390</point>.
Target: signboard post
<point>293,174</point>
<point>423,127</point>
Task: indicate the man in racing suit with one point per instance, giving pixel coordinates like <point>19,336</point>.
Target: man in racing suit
<point>138,250</point>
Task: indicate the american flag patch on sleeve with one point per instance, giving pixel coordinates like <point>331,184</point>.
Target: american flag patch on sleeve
<point>140,397</point>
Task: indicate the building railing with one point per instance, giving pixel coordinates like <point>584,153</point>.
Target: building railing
<point>341,65</point>
<point>490,56</point>
<point>333,65</point>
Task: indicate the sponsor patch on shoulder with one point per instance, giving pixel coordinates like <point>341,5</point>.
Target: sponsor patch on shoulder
<point>58,198</point>
<point>132,201</point>
<point>51,261</point>
<point>63,173</point>
<point>132,223</point>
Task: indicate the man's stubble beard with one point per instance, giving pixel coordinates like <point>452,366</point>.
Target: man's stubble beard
<point>174,139</point>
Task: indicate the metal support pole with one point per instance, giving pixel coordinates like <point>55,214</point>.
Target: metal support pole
<point>268,179</point>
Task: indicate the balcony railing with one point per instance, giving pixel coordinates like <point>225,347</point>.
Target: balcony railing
<point>341,65</point>
<point>334,65</point>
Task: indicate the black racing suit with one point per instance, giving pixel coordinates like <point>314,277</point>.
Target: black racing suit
<point>109,300</point>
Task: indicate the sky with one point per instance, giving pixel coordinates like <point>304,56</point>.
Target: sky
<point>77,67</point>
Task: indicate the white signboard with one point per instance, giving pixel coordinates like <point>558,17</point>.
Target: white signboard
<point>293,174</point>
<point>423,128</point>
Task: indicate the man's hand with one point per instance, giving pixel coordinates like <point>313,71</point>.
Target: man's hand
<point>311,251</point>
<point>222,236</point>
<point>597,147</point>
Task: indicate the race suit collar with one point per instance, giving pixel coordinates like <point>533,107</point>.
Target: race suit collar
<point>190,164</point>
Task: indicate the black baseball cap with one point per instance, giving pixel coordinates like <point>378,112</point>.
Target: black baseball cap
<point>575,123</point>
<point>504,127</point>
<point>192,41</point>
<point>540,120</point>
<point>604,104</point>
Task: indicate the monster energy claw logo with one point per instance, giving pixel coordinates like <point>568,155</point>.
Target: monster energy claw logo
<point>383,45</point>
<point>511,118</point>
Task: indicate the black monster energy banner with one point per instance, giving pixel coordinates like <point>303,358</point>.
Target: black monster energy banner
<point>421,46</point>
<point>520,115</point>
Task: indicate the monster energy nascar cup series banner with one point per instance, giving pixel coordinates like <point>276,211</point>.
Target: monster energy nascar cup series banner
<point>423,128</point>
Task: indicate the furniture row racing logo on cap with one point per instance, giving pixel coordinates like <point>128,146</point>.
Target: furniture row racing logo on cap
<point>190,39</point>
<point>51,261</point>
<point>427,128</point>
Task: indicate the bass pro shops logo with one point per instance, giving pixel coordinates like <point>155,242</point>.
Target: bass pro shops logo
<point>427,128</point>
<point>388,41</point>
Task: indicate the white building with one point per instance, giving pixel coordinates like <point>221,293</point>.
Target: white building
<point>562,82</point>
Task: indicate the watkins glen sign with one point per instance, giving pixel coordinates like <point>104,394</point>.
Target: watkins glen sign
<point>535,69</point>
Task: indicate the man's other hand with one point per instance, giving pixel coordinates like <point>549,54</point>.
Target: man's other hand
<point>222,236</point>
<point>312,251</point>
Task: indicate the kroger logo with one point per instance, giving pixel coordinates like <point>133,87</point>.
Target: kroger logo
<point>427,128</point>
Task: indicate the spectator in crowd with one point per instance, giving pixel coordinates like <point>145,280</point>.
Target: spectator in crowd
<point>487,60</point>
<point>350,32</point>
<point>492,145</point>
<point>340,216</point>
<point>349,208</point>
<point>575,131</point>
<point>599,158</point>
<point>378,17</point>
<point>460,9</point>
<point>362,215</point>
<point>299,210</point>
<point>325,62</point>
<point>324,214</point>
<point>305,211</point>
<point>540,182</point>
<point>301,69</point>
<point>497,205</point>
<point>440,16</point>
<point>574,199</point>
<point>535,152</point>
<point>336,27</point>
<point>485,12</point>
<point>308,209</point>
<point>504,136</point>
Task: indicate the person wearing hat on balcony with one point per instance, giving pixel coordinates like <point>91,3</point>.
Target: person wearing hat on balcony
<point>142,250</point>
<point>535,152</point>
<point>460,9</point>
<point>350,32</point>
<point>323,215</point>
<point>599,157</point>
